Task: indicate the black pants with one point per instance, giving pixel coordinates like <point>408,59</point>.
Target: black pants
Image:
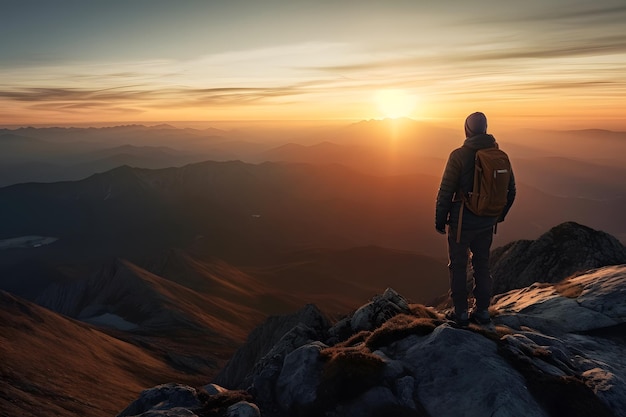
<point>479,243</point>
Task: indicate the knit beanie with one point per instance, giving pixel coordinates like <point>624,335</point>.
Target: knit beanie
<point>475,124</point>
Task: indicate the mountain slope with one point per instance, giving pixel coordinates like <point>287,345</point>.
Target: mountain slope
<point>52,365</point>
<point>356,273</point>
<point>110,297</point>
<point>180,290</point>
<point>268,205</point>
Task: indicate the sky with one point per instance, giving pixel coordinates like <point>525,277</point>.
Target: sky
<point>556,64</point>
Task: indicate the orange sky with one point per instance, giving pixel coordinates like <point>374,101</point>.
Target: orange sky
<point>552,64</point>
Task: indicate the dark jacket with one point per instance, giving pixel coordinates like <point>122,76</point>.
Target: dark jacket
<point>459,176</point>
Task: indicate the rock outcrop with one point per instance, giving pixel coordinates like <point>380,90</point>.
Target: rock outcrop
<point>564,250</point>
<point>269,343</point>
<point>553,350</point>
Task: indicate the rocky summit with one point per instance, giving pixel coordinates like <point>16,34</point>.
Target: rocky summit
<point>560,252</point>
<point>553,349</point>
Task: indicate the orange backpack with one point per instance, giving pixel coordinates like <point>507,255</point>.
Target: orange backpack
<point>492,172</point>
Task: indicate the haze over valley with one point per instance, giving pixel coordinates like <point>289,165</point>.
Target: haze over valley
<point>380,170</point>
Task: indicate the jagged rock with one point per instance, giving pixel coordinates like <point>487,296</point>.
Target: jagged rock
<point>340,331</point>
<point>593,300</point>
<point>263,378</point>
<point>564,250</point>
<point>164,400</point>
<point>594,304</point>
<point>238,372</point>
<point>467,367</point>
<point>243,409</point>
<point>379,310</point>
<point>300,376</point>
<point>543,357</point>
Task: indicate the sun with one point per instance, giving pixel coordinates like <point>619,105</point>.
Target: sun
<point>394,103</point>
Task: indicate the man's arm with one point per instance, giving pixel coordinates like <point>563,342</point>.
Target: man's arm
<point>510,197</point>
<point>447,188</point>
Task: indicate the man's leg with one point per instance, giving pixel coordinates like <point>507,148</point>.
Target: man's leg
<point>480,247</point>
<point>458,256</point>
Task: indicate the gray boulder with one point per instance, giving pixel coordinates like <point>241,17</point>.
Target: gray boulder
<point>243,409</point>
<point>164,400</point>
<point>589,301</point>
<point>213,389</point>
<point>379,310</point>
<point>300,376</point>
<point>467,367</point>
<point>262,380</point>
<point>238,372</point>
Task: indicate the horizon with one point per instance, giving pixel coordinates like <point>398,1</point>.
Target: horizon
<point>289,124</point>
<point>117,63</point>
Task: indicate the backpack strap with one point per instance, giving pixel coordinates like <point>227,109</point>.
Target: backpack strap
<point>459,226</point>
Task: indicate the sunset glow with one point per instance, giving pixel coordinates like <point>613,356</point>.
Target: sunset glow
<point>395,103</point>
<point>554,64</point>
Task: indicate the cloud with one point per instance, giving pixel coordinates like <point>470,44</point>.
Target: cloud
<point>591,47</point>
<point>566,12</point>
<point>62,94</point>
<point>74,99</point>
<point>554,12</point>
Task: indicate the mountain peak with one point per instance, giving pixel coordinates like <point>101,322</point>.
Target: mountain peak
<point>566,249</point>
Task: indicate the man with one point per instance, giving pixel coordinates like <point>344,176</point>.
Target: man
<point>476,231</point>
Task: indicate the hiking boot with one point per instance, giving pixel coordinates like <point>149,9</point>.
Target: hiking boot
<point>461,320</point>
<point>481,316</point>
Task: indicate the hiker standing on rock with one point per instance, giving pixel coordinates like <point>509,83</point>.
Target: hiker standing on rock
<point>476,192</point>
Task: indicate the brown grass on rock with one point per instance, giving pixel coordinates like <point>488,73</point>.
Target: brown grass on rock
<point>347,373</point>
<point>569,289</point>
<point>400,327</point>
<point>355,339</point>
<point>216,405</point>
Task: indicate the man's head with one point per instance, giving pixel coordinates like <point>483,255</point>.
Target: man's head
<point>475,124</point>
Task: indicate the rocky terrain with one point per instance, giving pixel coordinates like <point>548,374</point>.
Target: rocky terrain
<point>554,349</point>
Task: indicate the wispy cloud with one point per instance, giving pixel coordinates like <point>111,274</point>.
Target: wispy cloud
<point>63,100</point>
<point>567,11</point>
<point>591,47</point>
<point>64,95</point>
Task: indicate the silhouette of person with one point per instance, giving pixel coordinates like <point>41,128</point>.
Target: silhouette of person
<point>476,231</point>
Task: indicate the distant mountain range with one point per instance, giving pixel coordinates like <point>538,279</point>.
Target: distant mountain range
<point>234,205</point>
<point>241,208</point>
<point>581,163</point>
